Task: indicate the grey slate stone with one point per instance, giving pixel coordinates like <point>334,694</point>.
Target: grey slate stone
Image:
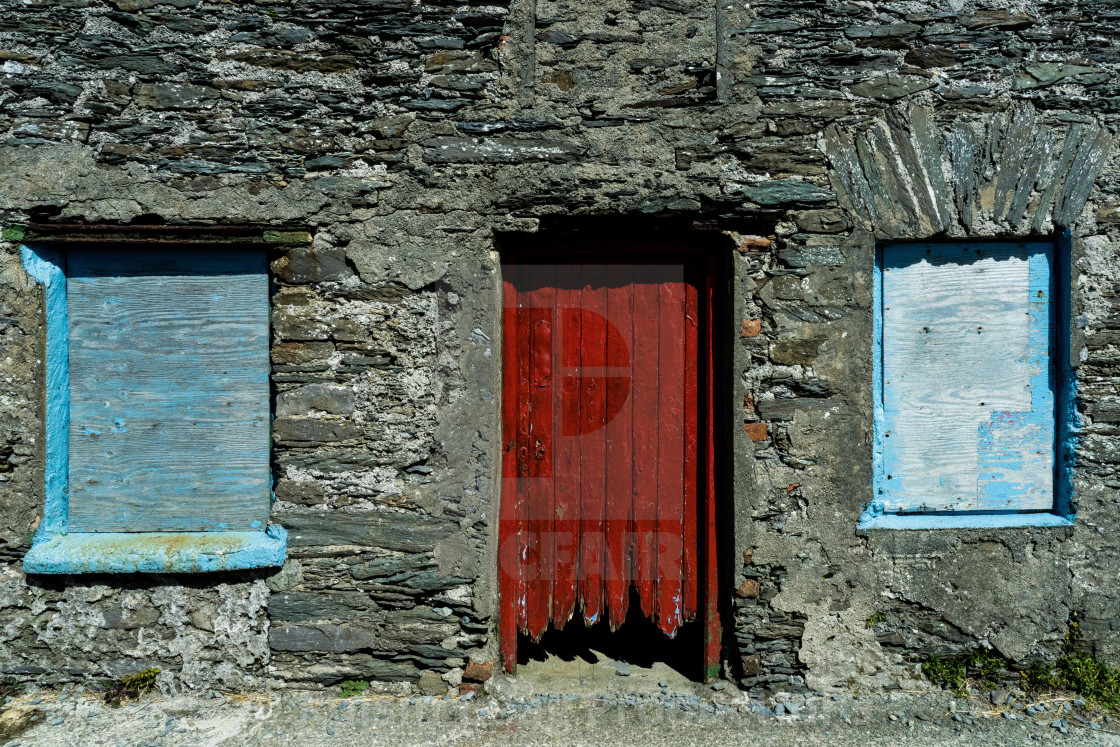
<point>794,352</point>
<point>1082,175</point>
<point>172,95</point>
<point>331,638</point>
<point>807,256</point>
<point>398,531</point>
<point>891,86</point>
<point>134,5</point>
<point>785,409</point>
<point>333,399</point>
<point>559,38</point>
<point>882,31</point>
<point>130,619</point>
<point>778,192</point>
<point>498,150</point>
<point>305,492</point>
<point>1042,74</point>
<point>821,221</point>
<point>292,429</point>
<point>430,683</point>
<point>301,606</point>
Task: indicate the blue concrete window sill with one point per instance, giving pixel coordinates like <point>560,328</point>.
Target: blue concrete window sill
<point>963,521</point>
<point>157,552</point>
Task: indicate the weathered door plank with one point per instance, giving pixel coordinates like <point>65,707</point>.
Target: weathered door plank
<point>543,303</point>
<point>568,517</point>
<point>593,442</point>
<point>620,446</point>
<point>670,454</point>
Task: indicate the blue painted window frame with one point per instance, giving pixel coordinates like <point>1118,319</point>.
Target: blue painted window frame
<point>1065,412</point>
<point>54,549</point>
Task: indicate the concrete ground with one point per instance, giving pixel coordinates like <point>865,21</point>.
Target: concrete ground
<point>593,671</point>
<point>555,702</point>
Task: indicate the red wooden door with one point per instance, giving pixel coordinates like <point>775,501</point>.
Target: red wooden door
<point>607,472</point>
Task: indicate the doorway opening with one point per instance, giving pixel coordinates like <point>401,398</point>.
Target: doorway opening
<point>637,647</point>
<point>609,519</point>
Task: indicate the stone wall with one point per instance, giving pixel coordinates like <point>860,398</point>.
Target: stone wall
<point>405,139</point>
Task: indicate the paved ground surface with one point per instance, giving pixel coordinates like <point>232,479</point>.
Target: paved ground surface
<point>305,719</point>
<point>555,703</point>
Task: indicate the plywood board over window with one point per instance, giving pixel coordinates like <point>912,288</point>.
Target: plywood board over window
<point>969,384</point>
<point>169,391</point>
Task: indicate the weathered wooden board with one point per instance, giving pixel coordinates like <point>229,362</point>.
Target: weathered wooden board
<point>590,298</point>
<point>968,409</point>
<point>646,318</point>
<point>620,447</point>
<point>169,391</point>
<point>541,305</point>
<point>509,524</point>
<point>692,450</point>
<point>671,448</point>
<point>566,535</point>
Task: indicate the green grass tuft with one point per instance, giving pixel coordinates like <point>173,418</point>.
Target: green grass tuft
<point>351,688</point>
<point>130,686</point>
<point>9,688</point>
<point>1039,676</point>
<point>982,665</point>
<point>988,666</point>
<point>1092,679</point>
<point>946,672</point>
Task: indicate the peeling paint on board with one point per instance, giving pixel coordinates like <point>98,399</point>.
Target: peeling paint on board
<point>965,417</point>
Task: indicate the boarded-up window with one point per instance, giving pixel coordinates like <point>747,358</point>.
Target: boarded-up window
<point>157,409</point>
<point>169,390</point>
<point>966,378</point>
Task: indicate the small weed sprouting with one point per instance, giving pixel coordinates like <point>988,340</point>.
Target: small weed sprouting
<point>982,665</point>
<point>877,618</point>
<point>988,665</point>
<point>130,686</point>
<point>1039,676</point>
<point>1074,671</point>
<point>945,672</point>
<point>351,688</point>
<point>9,688</point>
<point>1090,678</point>
<point>1085,675</point>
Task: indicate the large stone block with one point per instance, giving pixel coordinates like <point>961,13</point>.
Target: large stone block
<point>784,409</point>
<point>301,606</point>
<point>308,264</point>
<point>788,192</point>
<point>305,492</point>
<point>399,531</point>
<point>498,150</point>
<point>331,399</point>
<point>173,96</point>
<point>290,429</point>
<point>795,352</point>
<point>326,638</point>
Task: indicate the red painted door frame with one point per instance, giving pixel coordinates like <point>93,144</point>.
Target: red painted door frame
<point>532,507</point>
